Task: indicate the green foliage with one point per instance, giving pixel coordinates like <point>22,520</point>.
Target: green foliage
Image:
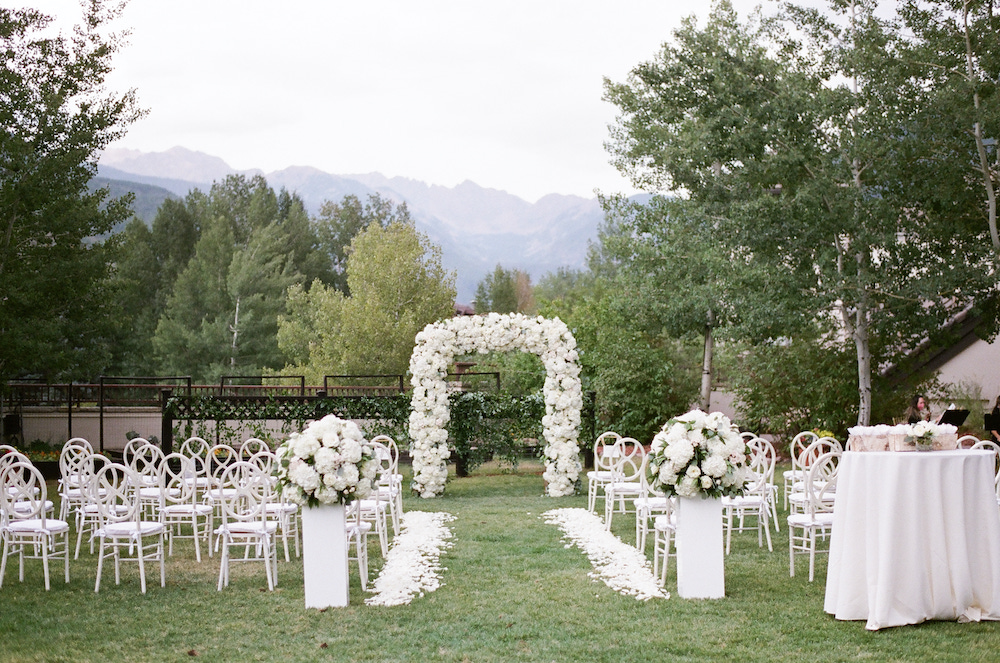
<point>505,291</point>
<point>641,379</point>
<point>56,312</point>
<point>814,165</point>
<point>383,415</point>
<point>339,223</point>
<point>785,388</point>
<point>521,373</point>
<point>487,426</point>
<point>227,288</point>
<point>397,287</point>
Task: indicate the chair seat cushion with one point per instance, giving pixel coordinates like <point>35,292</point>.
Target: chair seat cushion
<point>131,529</point>
<point>665,522</point>
<point>281,507</point>
<point>805,520</point>
<point>186,510</point>
<point>256,527</point>
<point>52,526</point>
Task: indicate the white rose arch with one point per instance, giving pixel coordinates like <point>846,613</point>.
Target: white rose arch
<point>435,350</point>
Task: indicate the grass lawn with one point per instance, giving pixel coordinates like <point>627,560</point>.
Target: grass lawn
<point>512,591</point>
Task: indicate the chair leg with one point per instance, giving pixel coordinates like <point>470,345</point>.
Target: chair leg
<point>163,570</point>
<point>767,528</point>
<point>729,527</point>
<point>100,565</point>
<point>812,552</point>
<point>791,551</point>
<point>142,565</point>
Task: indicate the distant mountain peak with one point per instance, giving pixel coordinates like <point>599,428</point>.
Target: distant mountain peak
<point>476,227</point>
<point>177,163</point>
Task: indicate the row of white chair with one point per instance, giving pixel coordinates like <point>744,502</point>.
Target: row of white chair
<point>620,478</point>
<point>165,496</point>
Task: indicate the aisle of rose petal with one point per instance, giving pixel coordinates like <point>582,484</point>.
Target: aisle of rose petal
<point>411,567</point>
<point>619,565</point>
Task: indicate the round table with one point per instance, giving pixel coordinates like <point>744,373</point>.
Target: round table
<point>916,536</point>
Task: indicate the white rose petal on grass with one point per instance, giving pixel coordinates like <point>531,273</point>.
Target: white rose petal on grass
<point>412,567</point>
<point>619,565</point>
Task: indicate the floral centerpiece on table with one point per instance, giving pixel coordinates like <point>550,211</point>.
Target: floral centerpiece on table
<point>329,462</point>
<point>699,454</point>
<point>921,434</point>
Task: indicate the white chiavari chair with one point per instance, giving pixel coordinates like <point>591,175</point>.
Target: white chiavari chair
<point>25,529</point>
<point>604,456</point>
<point>124,530</point>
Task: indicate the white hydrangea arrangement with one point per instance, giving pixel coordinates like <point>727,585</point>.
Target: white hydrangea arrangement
<point>330,462</point>
<point>436,348</point>
<point>699,454</point>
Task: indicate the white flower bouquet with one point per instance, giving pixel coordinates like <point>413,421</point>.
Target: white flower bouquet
<point>699,454</point>
<point>329,462</point>
<point>921,434</point>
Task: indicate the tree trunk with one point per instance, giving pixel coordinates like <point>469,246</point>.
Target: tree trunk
<point>706,366</point>
<point>235,328</point>
<point>864,366</point>
<point>984,160</point>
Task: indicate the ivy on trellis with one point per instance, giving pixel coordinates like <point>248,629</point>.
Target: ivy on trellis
<point>383,414</point>
<point>482,426</point>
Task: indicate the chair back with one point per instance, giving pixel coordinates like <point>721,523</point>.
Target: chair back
<point>821,482</point>
<point>817,448</point>
<point>251,491</point>
<point>762,461</point>
<point>79,442</point>
<point>799,444</point>
<point>393,449</point>
<point>264,459</point>
<point>145,462</point>
<point>23,494</point>
<point>384,457</point>
<point>251,446</point>
<point>219,458</point>
<point>76,461</point>
<point>132,447</point>
<point>630,465</point>
<point>176,486</point>
<point>9,454</point>
<point>605,451</point>
<point>111,490</point>
<point>195,446</point>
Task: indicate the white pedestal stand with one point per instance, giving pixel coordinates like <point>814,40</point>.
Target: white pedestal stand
<point>324,556</point>
<point>700,569</point>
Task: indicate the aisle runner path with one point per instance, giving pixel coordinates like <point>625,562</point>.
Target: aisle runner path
<point>412,567</point>
<point>621,567</point>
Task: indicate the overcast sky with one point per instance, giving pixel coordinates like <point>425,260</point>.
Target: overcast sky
<point>504,93</point>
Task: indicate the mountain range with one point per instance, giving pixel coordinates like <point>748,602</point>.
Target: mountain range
<point>476,227</point>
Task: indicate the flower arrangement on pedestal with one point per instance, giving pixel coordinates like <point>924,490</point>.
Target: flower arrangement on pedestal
<point>699,454</point>
<point>436,348</point>
<point>329,462</point>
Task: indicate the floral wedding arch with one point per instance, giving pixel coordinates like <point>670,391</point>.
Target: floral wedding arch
<point>435,350</point>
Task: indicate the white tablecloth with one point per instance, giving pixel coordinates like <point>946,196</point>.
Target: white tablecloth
<point>916,536</point>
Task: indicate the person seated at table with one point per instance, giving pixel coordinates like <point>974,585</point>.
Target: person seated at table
<point>918,410</point>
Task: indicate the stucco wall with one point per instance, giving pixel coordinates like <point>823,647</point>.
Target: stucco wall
<point>979,364</point>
